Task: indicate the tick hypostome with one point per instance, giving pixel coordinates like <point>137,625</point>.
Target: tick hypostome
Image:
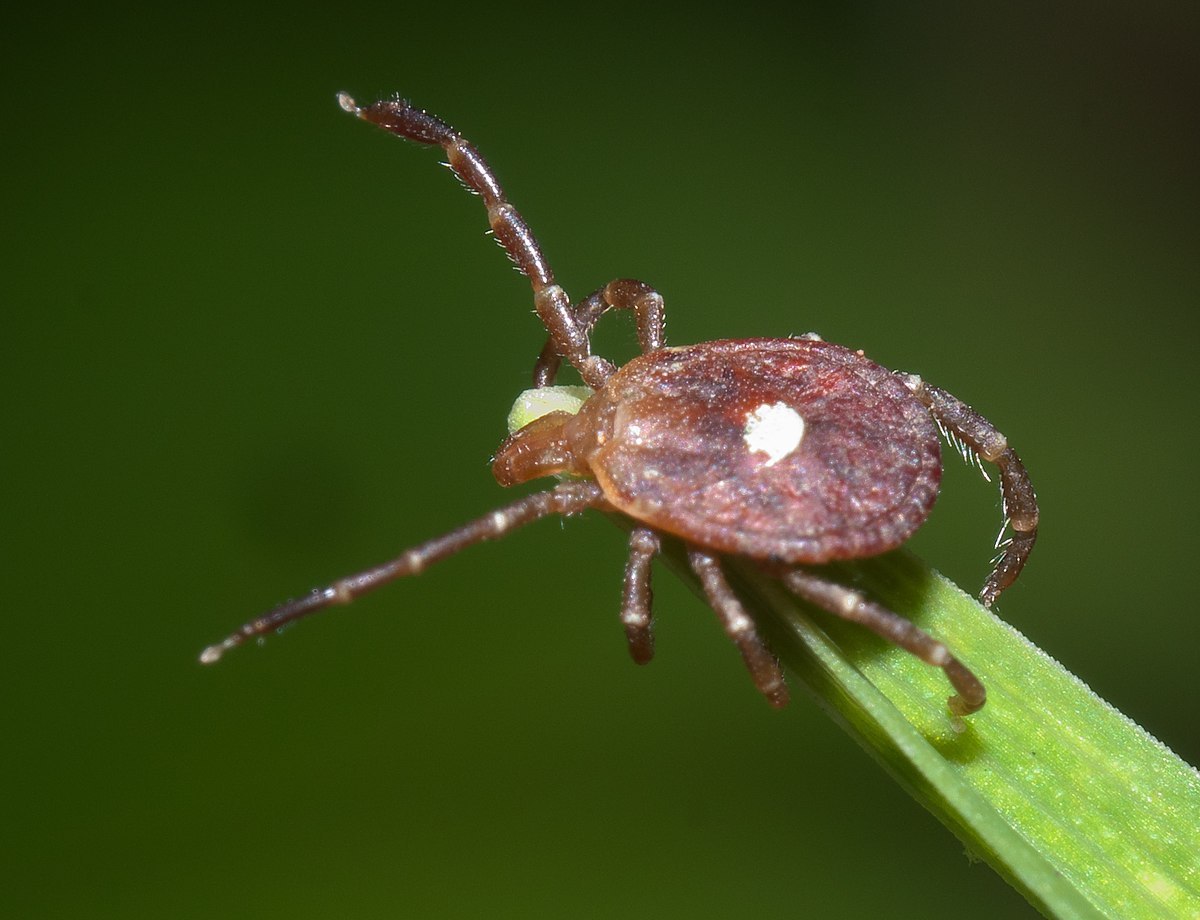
<point>788,452</point>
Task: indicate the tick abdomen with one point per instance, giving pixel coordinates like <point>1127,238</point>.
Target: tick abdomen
<point>793,449</point>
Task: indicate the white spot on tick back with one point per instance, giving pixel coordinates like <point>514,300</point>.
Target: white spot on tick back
<point>775,430</point>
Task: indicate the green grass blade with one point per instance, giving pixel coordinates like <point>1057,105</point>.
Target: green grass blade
<point>1070,801</point>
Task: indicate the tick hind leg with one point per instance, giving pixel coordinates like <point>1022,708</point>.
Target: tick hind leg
<point>851,605</point>
<point>764,669</point>
<point>975,435</point>
<point>622,294</point>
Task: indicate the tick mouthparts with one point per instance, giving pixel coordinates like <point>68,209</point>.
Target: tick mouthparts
<point>346,101</point>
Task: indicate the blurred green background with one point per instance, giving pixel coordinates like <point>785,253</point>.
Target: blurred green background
<point>251,345</point>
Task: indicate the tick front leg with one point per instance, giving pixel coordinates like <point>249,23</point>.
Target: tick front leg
<point>851,605</point>
<point>621,294</point>
<point>637,596</point>
<point>964,425</point>
<point>509,227</point>
<point>764,669</point>
<point>567,498</point>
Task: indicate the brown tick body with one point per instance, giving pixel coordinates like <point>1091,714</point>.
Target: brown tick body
<point>790,452</point>
<point>670,440</point>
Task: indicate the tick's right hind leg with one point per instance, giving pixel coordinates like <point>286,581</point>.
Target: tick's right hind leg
<point>967,429</point>
<point>851,605</point>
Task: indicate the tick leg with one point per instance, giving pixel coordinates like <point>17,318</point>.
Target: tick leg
<point>622,294</point>
<point>551,302</point>
<point>764,669</point>
<point>567,498</point>
<point>963,425</point>
<point>636,597</point>
<point>851,605</point>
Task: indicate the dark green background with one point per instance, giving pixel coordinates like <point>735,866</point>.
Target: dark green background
<point>250,345</point>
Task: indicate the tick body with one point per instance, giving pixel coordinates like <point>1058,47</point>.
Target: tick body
<point>787,452</point>
<point>795,450</point>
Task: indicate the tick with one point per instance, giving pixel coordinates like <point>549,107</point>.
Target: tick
<point>788,452</point>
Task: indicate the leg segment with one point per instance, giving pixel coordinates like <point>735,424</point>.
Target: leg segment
<point>510,229</point>
<point>567,498</point>
<point>966,426</point>
<point>764,669</point>
<point>622,294</point>
<point>636,595</point>
<point>850,605</point>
